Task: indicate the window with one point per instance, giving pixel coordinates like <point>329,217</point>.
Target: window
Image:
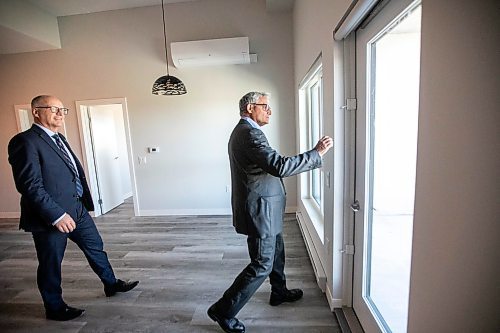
<point>314,93</point>
<point>311,95</point>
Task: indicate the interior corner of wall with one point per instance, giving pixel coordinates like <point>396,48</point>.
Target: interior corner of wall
<point>332,302</point>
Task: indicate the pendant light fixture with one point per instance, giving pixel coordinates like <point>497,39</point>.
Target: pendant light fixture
<point>167,84</point>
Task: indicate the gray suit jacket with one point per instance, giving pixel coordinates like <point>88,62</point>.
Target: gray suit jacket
<point>258,194</point>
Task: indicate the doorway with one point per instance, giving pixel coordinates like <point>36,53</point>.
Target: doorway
<point>387,92</point>
<point>107,150</point>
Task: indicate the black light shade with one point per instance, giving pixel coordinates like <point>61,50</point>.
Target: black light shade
<point>168,85</point>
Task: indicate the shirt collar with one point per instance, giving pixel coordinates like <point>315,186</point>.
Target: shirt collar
<point>46,130</point>
<point>251,122</point>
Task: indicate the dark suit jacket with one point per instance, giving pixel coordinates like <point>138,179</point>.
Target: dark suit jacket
<point>44,179</point>
<point>258,194</point>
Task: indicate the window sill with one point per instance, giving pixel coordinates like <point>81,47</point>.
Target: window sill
<point>314,215</point>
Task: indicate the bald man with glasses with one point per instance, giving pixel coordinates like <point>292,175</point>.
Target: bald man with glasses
<point>55,201</point>
<point>258,203</point>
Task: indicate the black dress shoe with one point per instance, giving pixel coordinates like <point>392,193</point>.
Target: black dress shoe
<point>120,287</point>
<point>291,295</point>
<point>229,325</point>
<point>67,313</point>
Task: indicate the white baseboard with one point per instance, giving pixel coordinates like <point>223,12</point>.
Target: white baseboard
<point>10,215</point>
<point>209,211</point>
<point>160,212</point>
<point>165,212</point>
<point>333,302</point>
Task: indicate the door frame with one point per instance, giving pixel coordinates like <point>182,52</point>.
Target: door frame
<point>391,13</point>
<point>349,137</point>
<point>86,143</point>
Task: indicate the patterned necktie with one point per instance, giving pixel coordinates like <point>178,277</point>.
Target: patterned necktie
<point>79,188</point>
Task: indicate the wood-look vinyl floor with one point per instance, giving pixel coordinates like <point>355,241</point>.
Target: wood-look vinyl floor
<point>184,264</point>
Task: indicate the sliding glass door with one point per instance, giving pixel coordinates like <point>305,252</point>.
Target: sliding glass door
<point>387,90</point>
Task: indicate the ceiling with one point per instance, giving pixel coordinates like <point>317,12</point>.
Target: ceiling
<point>75,7</point>
<point>16,37</point>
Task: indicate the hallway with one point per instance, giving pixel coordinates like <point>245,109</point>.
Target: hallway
<point>184,263</point>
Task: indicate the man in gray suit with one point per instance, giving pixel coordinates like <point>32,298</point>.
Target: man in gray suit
<point>258,204</point>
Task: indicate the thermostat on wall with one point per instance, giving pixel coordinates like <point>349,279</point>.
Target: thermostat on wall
<point>153,150</point>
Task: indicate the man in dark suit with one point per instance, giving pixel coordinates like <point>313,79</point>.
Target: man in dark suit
<point>258,204</point>
<point>55,201</point>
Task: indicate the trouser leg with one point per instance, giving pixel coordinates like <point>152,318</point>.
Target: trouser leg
<point>277,276</point>
<point>88,239</point>
<point>261,251</point>
<point>50,247</point>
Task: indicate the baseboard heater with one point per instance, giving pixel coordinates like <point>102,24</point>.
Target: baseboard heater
<point>319,271</point>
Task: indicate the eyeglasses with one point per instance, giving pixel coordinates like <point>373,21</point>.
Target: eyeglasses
<point>265,107</point>
<point>54,109</point>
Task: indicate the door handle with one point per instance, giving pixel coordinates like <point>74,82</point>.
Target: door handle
<point>355,206</point>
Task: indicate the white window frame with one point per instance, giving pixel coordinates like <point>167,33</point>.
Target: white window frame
<point>310,214</point>
<point>312,114</point>
<point>314,95</point>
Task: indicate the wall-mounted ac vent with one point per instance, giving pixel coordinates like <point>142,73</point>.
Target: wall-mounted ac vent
<point>222,51</point>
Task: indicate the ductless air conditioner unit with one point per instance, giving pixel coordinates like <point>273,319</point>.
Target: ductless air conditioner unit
<point>222,51</point>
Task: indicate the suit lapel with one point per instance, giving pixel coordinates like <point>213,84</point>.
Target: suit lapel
<point>48,140</point>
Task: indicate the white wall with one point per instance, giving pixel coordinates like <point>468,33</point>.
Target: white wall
<point>456,256</point>
<point>120,54</point>
<point>314,22</point>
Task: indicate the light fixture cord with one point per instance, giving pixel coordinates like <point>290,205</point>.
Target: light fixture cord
<point>164,35</point>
